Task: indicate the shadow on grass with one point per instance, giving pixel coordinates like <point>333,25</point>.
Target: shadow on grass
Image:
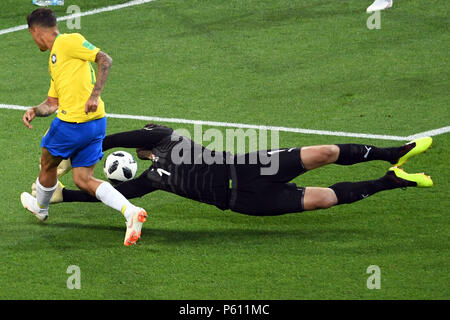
<point>232,235</point>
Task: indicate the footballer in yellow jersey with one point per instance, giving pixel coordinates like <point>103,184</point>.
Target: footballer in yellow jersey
<point>73,77</point>
<point>78,130</point>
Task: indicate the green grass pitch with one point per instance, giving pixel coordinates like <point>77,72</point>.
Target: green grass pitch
<point>303,64</point>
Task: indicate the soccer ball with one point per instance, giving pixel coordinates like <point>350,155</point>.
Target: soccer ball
<point>120,166</point>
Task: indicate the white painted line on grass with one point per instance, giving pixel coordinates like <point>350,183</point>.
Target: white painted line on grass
<point>13,29</point>
<point>83,14</point>
<point>430,133</point>
<point>13,107</point>
<point>434,132</point>
<point>259,127</point>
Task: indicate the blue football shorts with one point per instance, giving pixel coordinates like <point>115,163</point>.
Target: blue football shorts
<point>79,142</point>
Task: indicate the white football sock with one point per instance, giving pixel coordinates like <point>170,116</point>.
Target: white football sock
<point>43,195</point>
<point>107,194</point>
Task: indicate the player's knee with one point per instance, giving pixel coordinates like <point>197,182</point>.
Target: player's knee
<point>326,199</point>
<point>321,204</point>
<point>78,182</point>
<point>328,153</point>
<point>44,165</point>
<point>319,198</point>
<point>47,165</point>
<point>48,162</point>
<point>81,181</point>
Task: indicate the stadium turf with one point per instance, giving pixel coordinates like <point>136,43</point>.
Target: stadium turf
<point>302,64</point>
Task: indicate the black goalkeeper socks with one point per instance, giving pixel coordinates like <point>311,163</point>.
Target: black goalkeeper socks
<point>77,196</point>
<point>348,192</point>
<point>355,153</point>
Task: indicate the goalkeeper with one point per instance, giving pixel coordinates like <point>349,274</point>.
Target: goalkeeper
<point>234,182</point>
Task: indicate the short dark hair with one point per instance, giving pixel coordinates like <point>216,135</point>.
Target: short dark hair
<point>43,17</point>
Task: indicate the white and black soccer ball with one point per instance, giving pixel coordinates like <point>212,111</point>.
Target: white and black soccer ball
<point>120,166</point>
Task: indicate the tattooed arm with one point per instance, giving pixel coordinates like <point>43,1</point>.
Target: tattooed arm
<point>45,109</point>
<point>104,63</point>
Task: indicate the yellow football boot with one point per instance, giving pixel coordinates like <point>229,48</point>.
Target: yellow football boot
<point>411,179</point>
<point>415,147</point>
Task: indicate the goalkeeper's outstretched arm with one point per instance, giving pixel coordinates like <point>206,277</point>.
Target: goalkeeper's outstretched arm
<point>140,139</point>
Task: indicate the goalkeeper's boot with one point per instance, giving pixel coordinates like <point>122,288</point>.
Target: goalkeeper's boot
<point>413,148</point>
<point>57,196</point>
<point>64,167</point>
<point>134,226</point>
<point>404,179</point>
<point>378,5</point>
<point>30,203</point>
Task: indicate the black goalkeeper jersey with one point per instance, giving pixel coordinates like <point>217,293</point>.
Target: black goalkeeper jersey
<point>180,165</point>
<point>188,169</point>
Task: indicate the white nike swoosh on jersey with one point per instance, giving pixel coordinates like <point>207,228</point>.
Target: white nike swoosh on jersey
<point>275,151</point>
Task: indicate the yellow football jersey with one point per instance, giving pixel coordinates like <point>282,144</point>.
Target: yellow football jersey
<point>73,77</point>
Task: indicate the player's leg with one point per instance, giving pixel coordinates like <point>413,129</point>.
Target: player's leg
<point>49,165</point>
<point>345,154</point>
<point>106,193</point>
<point>319,198</point>
<point>84,178</point>
<point>46,184</point>
<point>131,189</point>
<point>317,156</point>
<point>348,154</point>
<point>349,192</point>
<point>271,166</point>
<point>281,198</point>
<point>53,150</point>
<point>295,161</point>
<point>83,163</point>
<point>47,180</point>
<point>64,167</point>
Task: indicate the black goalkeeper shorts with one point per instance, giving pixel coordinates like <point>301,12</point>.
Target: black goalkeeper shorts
<point>262,188</point>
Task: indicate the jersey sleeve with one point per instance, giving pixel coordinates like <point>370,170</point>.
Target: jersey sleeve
<point>52,91</point>
<point>78,47</point>
<point>142,138</point>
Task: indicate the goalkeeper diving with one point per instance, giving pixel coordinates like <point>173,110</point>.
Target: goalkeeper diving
<point>239,185</point>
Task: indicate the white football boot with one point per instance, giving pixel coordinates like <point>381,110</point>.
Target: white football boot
<point>134,226</point>
<point>378,5</point>
<point>30,203</point>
